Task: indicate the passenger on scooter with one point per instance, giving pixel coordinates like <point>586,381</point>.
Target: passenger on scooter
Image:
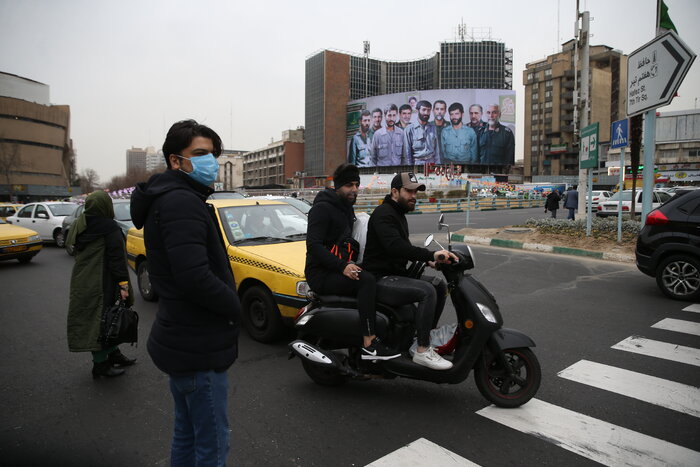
<point>330,254</point>
<point>387,251</point>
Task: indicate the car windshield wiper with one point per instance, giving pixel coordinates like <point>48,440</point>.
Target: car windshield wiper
<point>261,239</point>
<point>297,235</point>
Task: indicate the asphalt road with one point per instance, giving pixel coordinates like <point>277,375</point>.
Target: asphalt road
<point>427,222</point>
<point>575,309</point>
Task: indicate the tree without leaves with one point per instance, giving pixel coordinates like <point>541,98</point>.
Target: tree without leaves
<point>89,180</point>
<point>129,179</point>
<point>635,149</point>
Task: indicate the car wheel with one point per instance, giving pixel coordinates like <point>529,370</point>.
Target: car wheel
<point>59,238</point>
<point>261,317</point>
<point>25,259</point>
<point>679,277</point>
<point>144,282</point>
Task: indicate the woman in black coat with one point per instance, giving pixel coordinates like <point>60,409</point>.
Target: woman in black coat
<point>552,203</point>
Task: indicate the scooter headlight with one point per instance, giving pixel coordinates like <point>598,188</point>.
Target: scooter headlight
<point>488,314</point>
<point>303,320</point>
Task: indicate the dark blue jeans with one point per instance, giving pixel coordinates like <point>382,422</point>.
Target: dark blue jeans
<point>572,214</point>
<point>201,434</point>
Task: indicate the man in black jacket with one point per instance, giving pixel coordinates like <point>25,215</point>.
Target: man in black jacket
<point>386,253</point>
<point>330,223</point>
<point>194,338</point>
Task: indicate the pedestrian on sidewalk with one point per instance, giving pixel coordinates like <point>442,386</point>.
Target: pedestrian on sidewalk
<point>100,277</point>
<point>552,203</point>
<point>571,202</point>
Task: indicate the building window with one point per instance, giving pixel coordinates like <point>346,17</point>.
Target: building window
<point>694,153</point>
<point>548,73</point>
<point>535,106</point>
<point>534,117</point>
<point>535,96</point>
<point>533,148</point>
<point>530,76</point>
<point>547,94</point>
<point>548,105</point>
<point>534,138</point>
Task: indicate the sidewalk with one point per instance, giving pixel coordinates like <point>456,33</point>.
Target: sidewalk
<point>506,241</point>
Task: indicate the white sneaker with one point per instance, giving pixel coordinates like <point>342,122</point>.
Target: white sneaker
<point>431,359</point>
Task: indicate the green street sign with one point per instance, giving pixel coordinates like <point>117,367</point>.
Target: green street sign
<point>588,156</point>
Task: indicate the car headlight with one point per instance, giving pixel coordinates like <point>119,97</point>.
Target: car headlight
<point>34,238</point>
<point>302,288</point>
<point>488,314</point>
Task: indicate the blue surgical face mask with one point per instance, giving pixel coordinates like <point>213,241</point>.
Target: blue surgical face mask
<point>204,169</point>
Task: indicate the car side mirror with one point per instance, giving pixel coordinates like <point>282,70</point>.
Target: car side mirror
<point>42,215</point>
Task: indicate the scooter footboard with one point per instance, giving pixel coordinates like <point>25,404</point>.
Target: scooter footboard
<point>506,338</point>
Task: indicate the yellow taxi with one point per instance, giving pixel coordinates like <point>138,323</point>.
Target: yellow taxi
<point>266,245</point>
<point>18,243</point>
<point>8,209</point>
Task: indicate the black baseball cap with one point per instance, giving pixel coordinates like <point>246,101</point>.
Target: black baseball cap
<point>407,180</point>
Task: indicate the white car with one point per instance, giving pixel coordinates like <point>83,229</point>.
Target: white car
<point>599,196</point>
<point>45,218</point>
<point>609,208</point>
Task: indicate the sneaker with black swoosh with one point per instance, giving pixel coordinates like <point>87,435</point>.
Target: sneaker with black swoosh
<point>378,351</point>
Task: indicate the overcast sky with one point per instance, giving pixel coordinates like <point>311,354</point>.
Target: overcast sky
<point>131,68</point>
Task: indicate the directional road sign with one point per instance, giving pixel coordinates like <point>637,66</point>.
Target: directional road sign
<point>619,134</point>
<point>589,147</point>
<point>655,72</point>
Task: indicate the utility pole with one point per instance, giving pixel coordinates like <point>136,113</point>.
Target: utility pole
<point>366,51</point>
<point>583,188</point>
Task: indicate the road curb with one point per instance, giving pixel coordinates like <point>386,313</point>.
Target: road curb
<point>560,250</point>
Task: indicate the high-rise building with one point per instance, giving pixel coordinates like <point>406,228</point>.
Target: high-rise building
<point>277,163</point>
<point>333,78</point>
<point>155,162</point>
<point>551,119</point>
<point>37,160</point>
<point>136,159</point>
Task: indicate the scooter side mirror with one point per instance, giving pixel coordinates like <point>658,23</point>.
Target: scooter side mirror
<point>428,240</point>
<point>440,221</point>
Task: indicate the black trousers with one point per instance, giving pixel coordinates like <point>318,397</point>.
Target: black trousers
<point>429,292</point>
<point>365,288</point>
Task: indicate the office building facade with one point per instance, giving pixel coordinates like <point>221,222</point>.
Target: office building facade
<point>277,163</point>
<point>136,160</point>
<point>334,78</point>
<point>553,116</point>
<point>37,160</point>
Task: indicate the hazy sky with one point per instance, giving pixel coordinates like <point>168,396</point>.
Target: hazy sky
<point>131,68</point>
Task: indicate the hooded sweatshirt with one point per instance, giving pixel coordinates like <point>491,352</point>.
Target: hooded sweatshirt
<point>197,324</point>
<point>330,221</point>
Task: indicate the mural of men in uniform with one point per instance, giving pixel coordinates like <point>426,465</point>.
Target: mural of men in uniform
<point>496,142</point>
<point>475,122</point>
<point>458,142</point>
<point>359,152</point>
<point>388,142</point>
<point>405,113</point>
<point>376,122</point>
<point>439,111</point>
<point>421,139</point>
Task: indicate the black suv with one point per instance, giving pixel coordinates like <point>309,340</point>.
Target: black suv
<point>668,246</point>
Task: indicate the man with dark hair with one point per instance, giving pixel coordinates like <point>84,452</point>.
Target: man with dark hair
<point>405,112</point>
<point>376,122</point>
<point>387,143</point>
<point>194,338</point>
<point>420,138</point>
<point>496,141</point>
<point>459,143</point>
<point>359,152</point>
<point>330,225</point>
<point>439,110</point>
<point>387,251</point>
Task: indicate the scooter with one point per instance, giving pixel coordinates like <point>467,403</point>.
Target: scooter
<point>506,370</point>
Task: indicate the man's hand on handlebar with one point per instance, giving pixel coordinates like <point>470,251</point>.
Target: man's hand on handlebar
<point>352,271</point>
<point>444,256</point>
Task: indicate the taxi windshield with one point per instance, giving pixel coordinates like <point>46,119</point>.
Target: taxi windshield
<point>264,223</point>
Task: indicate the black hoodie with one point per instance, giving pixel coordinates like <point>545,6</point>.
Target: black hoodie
<point>330,221</point>
<point>197,324</point>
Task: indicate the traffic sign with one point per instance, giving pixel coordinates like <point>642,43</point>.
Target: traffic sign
<point>589,147</point>
<point>619,134</point>
<point>655,72</point>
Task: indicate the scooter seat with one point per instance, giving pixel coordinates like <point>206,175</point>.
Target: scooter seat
<point>403,312</point>
<point>343,300</point>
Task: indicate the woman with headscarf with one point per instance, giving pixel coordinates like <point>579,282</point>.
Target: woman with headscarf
<point>100,278</point>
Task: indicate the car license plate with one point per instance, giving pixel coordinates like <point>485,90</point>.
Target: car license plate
<point>13,249</point>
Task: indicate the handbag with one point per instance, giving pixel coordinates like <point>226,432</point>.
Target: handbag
<point>120,324</point>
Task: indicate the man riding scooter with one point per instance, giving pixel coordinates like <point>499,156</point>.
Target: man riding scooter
<point>387,251</point>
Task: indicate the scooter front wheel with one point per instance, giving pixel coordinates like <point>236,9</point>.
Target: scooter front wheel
<point>504,388</point>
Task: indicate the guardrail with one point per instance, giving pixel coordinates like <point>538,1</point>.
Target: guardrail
<point>460,205</point>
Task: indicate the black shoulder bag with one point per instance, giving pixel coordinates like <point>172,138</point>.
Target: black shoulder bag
<point>119,325</point>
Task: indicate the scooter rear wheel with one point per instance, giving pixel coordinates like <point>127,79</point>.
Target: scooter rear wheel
<point>323,375</point>
<point>506,390</point>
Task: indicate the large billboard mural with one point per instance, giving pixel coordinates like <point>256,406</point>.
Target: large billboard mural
<point>442,127</point>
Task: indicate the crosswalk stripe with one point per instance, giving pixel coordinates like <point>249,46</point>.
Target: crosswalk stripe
<point>589,437</point>
<point>678,325</point>
<point>652,348</point>
<point>695,308</point>
<point>422,452</point>
<point>658,391</point>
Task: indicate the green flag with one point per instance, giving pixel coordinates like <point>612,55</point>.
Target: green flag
<point>665,20</point>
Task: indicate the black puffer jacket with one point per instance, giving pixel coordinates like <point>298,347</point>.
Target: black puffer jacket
<point>197,325</point>
<point>330,218</point>
<point>388,248</point>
